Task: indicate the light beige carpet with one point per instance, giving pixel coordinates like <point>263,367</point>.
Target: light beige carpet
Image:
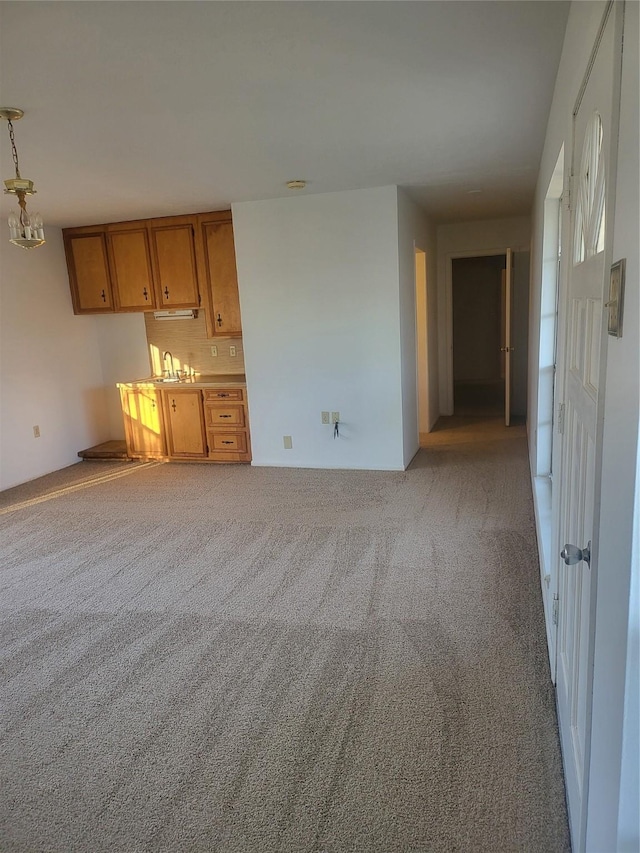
<point>221,658</point>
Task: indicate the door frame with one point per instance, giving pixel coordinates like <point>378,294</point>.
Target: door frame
<point>448,311</point>
<point>423,362</point>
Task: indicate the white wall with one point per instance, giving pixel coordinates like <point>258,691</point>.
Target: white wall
<point>414,231</point>
<point>613,784</point>
<point>319,293</point>
<point>57,370</point>
<point>493,236</point>
<point>50,371</point>
<point>628,817</point>
<point>124,355</point>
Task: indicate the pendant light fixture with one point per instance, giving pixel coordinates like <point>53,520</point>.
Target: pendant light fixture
<point>24,230</point>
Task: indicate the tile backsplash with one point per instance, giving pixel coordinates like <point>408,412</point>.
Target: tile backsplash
<point>190,347</point>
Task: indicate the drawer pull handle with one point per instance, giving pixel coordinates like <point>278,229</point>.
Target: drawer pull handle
<point>228,442</point>
<point>224,416</point>
<point>222,395</point>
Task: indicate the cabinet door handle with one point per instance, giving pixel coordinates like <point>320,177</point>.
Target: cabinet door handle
<point>145,294</point>
<point>173,405</point>
<point>166,292</point>
<point>104,296</point>
<point>219,319</point>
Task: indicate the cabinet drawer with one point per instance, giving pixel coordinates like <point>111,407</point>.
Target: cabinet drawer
<point>224,416</point>
<point>233,442</point>
<point>213,395</point>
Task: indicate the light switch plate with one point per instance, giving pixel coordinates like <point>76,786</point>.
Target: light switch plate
<point>214,350</point>
<point>232,351</point>
<point>288,443</point>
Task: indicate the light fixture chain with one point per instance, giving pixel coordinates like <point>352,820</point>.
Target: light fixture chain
<point>14,150</point>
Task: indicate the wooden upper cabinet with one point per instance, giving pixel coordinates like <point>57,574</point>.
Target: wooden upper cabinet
<point>131,271</point>
<point>173,258</point>
<point>218,262</point>
<point>168,262</point>
<point>88,265</point>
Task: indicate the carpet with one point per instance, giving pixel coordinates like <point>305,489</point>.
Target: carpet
<point>227,658</point>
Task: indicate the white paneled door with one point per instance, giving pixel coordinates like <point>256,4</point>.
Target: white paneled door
<point>584,310</point>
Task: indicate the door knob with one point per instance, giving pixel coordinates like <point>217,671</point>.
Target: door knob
<point>571,554</point>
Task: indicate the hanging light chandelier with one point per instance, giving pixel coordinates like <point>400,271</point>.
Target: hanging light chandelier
<point>24,230</point>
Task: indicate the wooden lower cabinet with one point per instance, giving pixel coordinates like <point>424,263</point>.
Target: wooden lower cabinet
<point>186,436</point>
<point>226,419</point>
<point>144,429</point>
<point>199,424</point>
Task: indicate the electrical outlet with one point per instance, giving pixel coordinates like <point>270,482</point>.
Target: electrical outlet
<point>36,432</point>
<point>232,351</point>
<point>214,350</point>
<point>335,417</point>
<point>325,417</point>
<point>286,440</point>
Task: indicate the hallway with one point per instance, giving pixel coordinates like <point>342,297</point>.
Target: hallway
<point>472,426</point>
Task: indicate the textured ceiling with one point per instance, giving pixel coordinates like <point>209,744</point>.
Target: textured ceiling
<point>136,109</point>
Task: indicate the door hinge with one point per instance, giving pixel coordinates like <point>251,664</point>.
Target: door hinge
<point>561,419</point>
<point>567,196</point>
<point>554,617</point>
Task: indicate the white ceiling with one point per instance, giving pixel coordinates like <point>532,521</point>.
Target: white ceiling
<point>136,109</point>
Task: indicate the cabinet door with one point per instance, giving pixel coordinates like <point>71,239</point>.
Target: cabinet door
<point>131,267</point>
<point>185,421</point>
<point>221,278</point>
<point>88,268</point>
<point>143,422</point>
<point>174,262</point>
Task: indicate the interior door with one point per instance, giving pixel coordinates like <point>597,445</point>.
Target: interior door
<point>581,428</point>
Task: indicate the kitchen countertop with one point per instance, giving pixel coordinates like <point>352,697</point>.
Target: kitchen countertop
<point>213,380</point>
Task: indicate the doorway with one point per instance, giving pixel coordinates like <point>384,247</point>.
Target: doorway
<point>478,322</point>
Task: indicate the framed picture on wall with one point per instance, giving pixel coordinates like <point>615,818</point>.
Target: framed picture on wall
<point>616,298</point>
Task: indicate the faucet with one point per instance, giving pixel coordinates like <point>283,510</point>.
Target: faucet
<point>170,373</point>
